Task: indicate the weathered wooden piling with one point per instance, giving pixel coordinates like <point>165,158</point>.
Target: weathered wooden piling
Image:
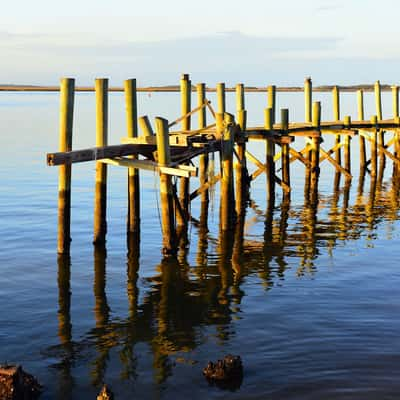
<point>186,95</point>
<point>396,145</point>
<point>395,101</point>
<point>285,140</point>
<point>221,98</point>
<point>221,107</point>
<point>271,101</point>
<point>316,123</point>
<point>100,204</point>
<point>374,152</point>
<point>203,158</point>
<point>241,167</point>
<point>360,116</point>
<point>378,107</point>
<point>166,190</point>
<point>347,148</point>
<point>225,128</point>
<point>133,221</point>
<point>270,154</point>
<point>145,126</point>
<point>307,118</point>
<point>67,91</point>
<point>336,117</point>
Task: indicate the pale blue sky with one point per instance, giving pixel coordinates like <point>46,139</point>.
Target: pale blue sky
<point>257,42</point>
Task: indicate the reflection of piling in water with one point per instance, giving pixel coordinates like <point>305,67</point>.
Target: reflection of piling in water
<point>237,252</point>
<point>64,299</point>
<point>102,314</point>
<point>65,325</point>
<point>133,257</point>
<point>225,249</point>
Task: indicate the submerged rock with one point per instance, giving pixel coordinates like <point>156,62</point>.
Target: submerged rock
<point>227,373</point>
<point>16,384</point>
<point>105,393</point>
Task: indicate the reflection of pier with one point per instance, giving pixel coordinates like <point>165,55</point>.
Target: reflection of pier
<point>182,300</point>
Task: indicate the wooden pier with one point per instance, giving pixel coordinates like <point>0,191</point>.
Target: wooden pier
<point>186,152</point>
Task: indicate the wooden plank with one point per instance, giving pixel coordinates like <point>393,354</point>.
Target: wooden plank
<point>96,153</point>
<point>334,163</point>
<point>284,186</point>
<point>185,171</point>
<point>204,187</point>
<point>384,150</point>
<point>255,160</point>
<point>198,108</point>
<point>298,156</point>
<point>331,151</point>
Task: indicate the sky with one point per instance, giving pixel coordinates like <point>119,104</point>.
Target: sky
<point>256,42</point>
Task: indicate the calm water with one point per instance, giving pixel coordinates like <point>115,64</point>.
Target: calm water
<point>309,298</point>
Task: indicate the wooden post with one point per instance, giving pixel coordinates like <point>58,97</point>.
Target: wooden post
<point>395,101</point>
<point>336,117</point>
<point>241,167</point>
<point>100,205</point>
<point>374,153</point>
<point>308,118</point>
<point>285,148</point>
<point>316,123</point>
<point>378,106</point>
<point>378,100</point>
<point>395,107</point>
<point>346,152</point>
<point>360,116</point>
<point>227,210</point>
<point>67,90</point>
<point>270,154</point>
<point>308,99</point>
<point>203,158</point>
<point>396,169</point>
<point>145,126</point>
<point>133,224</point>
<point>186,93</point>
<point>166,191</point>
<point>221,102</point>
<point>271,103</point>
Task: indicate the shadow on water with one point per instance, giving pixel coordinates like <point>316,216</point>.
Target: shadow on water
<point>182,299</point>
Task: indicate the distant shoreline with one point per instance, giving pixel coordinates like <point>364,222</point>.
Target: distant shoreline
<point>175,88</point>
